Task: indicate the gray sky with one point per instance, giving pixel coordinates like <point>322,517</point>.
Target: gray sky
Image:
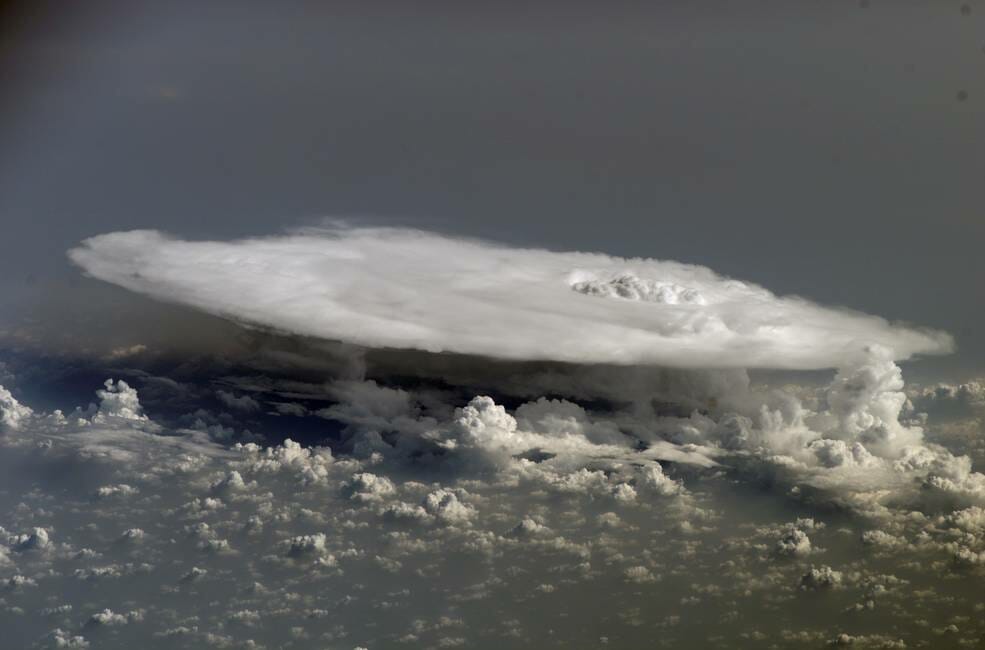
<point>826,149</point>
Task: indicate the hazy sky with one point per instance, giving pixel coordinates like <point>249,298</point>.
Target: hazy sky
<point>830,149</point>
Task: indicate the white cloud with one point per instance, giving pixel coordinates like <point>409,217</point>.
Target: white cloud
<point>794,542</point>
<point>63,639</point>
<point>121,489</point>
<point>823,577</point>
<point>119,400</point>
<point>367,487</point>
<point>37,540</point>
<point>309,547</point>
<point>231,482</point>
<point>13,414</point>
<point>110,618</point>
<point>640,574</point>
<point>310,465</point>
<point>132,535</point>
<point>411,289</point>
<point>444,505</point>
<point>527,539</point>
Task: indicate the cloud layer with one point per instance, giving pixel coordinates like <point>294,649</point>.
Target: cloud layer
<point>396,288</point>
<point>119,533</point>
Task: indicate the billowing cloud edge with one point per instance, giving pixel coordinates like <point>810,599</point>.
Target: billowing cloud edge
<point>401,288</point>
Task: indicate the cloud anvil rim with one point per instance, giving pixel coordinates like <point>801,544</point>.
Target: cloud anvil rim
<point>410,289</point>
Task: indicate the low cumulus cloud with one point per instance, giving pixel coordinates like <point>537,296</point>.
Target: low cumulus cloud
<point>454,534</point>
<point>398,288</point>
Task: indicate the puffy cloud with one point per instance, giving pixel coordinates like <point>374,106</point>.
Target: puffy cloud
<point>368,487</point>
<point>529,528</point>
<point>401,511</point>
<point>794,542</point>
<point>118,400</point>
<point>823,577</point>
<point>943,402</point>
<point>13,414</point>
<point>231,482</point>
<point>62,639</point>
<point>132,535</point>
<point>109,618</point>
<point>121,489</point>
<point>420,541</point>
<point>865,400</point>
<point>312,547</point>
<point>559,417</point>
<point>444,505</point>
<point>249,617</point>
<point>652,480</point>
<point>37,540</point>
<point>310,465</point>
<point>868,641</point>
<point>482,424</point>
<point>624,492</point>
<point>791,539</point>
<point>19,581</point>
<point>193,575</point>
<point>484,435</point>
<point>480,298</point>
<point>881,539</point>
<point>639,574</point>
<point>838,453</point>
<point>971,520</point>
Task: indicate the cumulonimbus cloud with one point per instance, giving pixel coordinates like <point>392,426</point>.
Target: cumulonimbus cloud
<point>401,288</point>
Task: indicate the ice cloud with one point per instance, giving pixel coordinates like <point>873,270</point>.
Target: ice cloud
<point>397,288</point>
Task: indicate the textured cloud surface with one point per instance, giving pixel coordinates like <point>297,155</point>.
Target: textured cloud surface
<point>409,289</point>
<point>119,533</point>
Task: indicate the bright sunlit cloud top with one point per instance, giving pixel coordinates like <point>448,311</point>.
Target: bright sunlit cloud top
<point>385,287</point>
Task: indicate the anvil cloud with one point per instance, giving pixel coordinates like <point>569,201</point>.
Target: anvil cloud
<point>399,288</point>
